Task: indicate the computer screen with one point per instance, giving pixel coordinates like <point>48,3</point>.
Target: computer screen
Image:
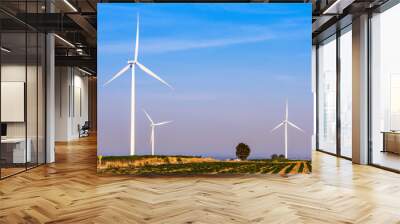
<point>3,129</point>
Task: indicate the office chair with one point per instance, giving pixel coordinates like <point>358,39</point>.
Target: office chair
<point>84,130</point>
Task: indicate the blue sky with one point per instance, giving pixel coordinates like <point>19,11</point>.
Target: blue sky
<point>232,67</point>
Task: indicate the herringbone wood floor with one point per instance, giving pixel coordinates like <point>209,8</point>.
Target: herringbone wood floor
<point>69,191</point>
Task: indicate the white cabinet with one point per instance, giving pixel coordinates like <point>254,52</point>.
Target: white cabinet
<point>19,154</point>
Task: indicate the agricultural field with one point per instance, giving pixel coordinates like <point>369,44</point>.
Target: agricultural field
<point>189,165</point>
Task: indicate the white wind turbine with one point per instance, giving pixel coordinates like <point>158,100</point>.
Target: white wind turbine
<point>152,126</point>
<point>132,65</point>
<point>286,122</point>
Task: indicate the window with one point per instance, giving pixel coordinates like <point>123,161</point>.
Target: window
<point>327,95</point>
<point>385,89</point>
<point>346,92</point>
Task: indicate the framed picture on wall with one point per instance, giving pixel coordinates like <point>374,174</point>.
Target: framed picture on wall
<point>205,90</point>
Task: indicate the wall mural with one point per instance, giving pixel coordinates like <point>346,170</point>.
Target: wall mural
<point>204,89</point>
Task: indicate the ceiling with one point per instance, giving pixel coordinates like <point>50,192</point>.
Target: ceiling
<point>75,22</point>
<point>332,15</point>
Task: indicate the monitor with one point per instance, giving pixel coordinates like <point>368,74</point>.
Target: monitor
<point>3,129</point>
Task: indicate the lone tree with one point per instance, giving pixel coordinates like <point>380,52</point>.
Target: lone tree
<point>242,151</point>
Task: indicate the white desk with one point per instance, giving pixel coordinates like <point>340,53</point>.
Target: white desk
<point>19,153</point>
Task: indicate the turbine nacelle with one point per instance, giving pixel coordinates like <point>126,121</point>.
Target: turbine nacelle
<point>137,64</point>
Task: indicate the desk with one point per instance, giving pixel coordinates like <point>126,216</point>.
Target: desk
<point>17,150</point>
<point>391,141</point>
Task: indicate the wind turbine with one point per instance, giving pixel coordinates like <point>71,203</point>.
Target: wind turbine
<point>286,122</point>
<point>153,125</point>
<point>132,65</point>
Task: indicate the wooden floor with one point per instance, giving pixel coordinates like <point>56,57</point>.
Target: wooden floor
<point>69,191</point>
<point>386,159</point>
<point>5,172</point>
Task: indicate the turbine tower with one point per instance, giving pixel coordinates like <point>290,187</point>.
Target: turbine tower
<point>286,122</point>
<point>152,126</point>
<point>132,65</point>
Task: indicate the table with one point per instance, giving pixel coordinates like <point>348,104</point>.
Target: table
<point>13,150</point>
<point>391,141</point>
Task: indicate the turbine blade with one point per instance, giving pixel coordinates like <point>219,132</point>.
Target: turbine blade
<point>293,125</point>
<point>137,39</point>
<point>148,116</point>
<point>279,125</point>
<point>122,71</point>
<point>162,123</point>
<point>152,74</point>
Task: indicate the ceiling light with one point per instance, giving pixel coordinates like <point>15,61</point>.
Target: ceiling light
<point>64,40</point>
<point>84,71</point>
<point>70,5</point>
<point>79,51</point>
<point>5,50</point>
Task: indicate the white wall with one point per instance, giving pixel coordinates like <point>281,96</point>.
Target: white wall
<point>14,72</point>
<point>33,127</point>
<point>71,87</point>
<point>62,82</point>
<point>79,117</point>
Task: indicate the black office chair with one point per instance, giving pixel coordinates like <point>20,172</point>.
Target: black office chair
<point>84,130</point>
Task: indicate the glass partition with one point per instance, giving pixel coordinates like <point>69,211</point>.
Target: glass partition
<point>22,91</point>
<point>13,109</point>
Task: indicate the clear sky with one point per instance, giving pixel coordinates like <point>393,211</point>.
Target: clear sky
<point>232,67</point>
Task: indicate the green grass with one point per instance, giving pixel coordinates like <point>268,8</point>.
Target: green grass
<point>290,168</point>
<point>139,157</point>
<point>274,166</point>
<point>309,166</point>
<point>279,167</point>
<point>301,168</point>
